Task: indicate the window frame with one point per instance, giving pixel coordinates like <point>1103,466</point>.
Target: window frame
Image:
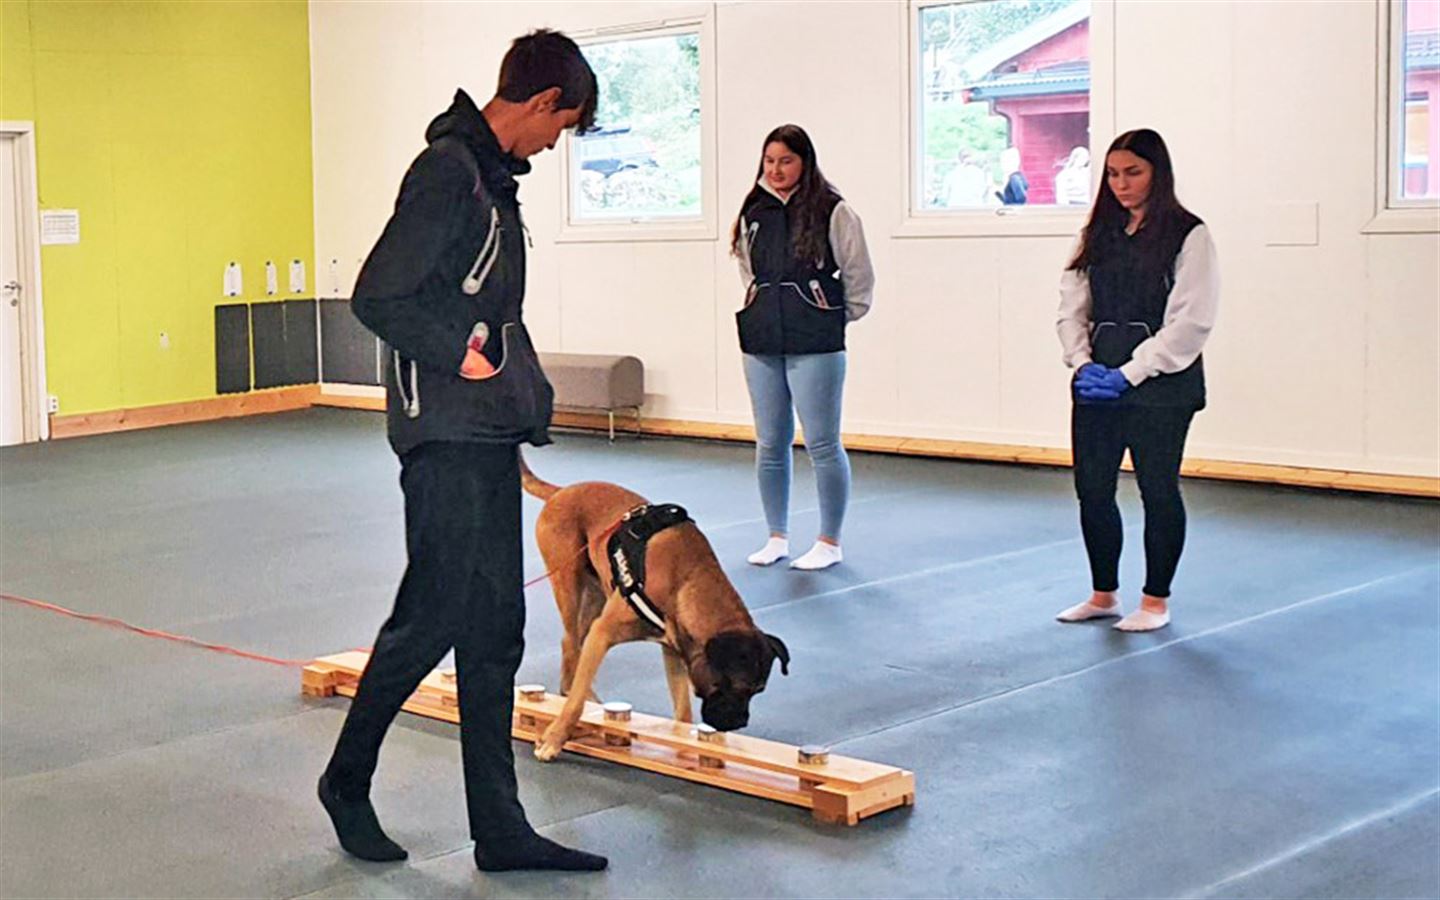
<point>1393,213</point>
<point>1003,220</point>
<point>703,227</point>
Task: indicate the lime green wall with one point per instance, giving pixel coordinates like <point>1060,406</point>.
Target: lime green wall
<point>181,132</point>
<point>17,87</point>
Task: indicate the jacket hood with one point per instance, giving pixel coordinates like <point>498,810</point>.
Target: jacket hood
<point>464,120</point>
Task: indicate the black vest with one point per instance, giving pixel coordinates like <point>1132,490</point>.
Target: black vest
<point>792,306</point>
<point>1130,283</point>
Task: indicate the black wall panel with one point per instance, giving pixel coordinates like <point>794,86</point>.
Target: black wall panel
<point>267,335</point>
<point>232,348</point>
<point>349,353</point>
<point>302,364</point>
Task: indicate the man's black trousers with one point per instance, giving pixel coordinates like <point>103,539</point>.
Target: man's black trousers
<point>463,588</point>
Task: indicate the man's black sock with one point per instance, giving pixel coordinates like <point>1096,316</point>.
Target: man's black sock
<point>534,852</point>
<point>356,826</point>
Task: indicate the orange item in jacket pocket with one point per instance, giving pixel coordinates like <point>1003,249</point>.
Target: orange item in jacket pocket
<point>475,366</point>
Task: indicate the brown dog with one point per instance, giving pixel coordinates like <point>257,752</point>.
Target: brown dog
<point>709,641</point>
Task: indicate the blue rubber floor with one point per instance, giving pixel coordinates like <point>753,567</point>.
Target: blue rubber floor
<point>1279,740</point>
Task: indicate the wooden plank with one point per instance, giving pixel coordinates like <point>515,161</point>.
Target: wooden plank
<point>737,748</point>
<point>352,662</point>
<point>437,690</point>
<point>743,779</point>
<point>318,681</point>
<point>843,791</point>
<point>847,806</point>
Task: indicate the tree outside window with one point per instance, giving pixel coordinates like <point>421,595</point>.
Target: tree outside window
<point>643,159</point>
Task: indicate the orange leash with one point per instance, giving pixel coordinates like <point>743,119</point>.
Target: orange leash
<point>206,645</point>
<point>156,633</point>
<point>605,538</point>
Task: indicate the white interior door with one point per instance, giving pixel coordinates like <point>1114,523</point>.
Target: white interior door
<point>12,412</point>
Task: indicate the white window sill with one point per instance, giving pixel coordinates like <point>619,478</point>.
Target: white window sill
<point>642,231</point>
<point>1405,220</point>
<point>1001,222</point>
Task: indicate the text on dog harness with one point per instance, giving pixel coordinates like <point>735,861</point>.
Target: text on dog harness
<point>626,549</point>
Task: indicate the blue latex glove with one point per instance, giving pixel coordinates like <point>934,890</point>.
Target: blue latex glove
<point>1099,384</point>
<point>1085,378</point>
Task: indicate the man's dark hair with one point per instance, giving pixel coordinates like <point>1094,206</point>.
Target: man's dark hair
<point>546,59</point>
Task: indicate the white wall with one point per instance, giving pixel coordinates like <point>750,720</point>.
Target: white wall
<point>1324,356</point>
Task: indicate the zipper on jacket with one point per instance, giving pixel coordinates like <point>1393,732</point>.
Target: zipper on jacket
<point>411,403</point>
<point>480,271</point>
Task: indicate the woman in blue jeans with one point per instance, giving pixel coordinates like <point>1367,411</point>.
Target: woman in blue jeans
<point>807,272</point>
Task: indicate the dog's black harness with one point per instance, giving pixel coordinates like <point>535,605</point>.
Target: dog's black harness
<point>626,550</point>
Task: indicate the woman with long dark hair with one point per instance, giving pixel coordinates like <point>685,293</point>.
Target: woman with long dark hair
<point>1137,301</point>
<point>807,273</point>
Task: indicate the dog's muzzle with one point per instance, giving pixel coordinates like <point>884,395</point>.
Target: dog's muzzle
<point>725,712</point>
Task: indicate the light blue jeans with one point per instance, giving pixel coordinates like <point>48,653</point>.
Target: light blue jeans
<point>811,384</point>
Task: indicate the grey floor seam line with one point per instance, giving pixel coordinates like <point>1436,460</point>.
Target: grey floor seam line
<point>919,573</point>
<point>585,815</point>
<point>13,779</point>
<point>466,848</point>
<point>813,509</point>
<point>1115,660</point>
<point>1316,842</point>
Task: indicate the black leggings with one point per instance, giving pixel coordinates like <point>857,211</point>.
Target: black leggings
<point>1155,435</point>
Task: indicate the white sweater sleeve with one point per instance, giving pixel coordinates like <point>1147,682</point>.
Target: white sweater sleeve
<point>847,241</point>
<point>1189,312</point>
<point>742,257</point>
<point>1073,321</point>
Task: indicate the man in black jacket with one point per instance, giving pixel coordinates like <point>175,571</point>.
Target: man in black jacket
<point>444,287</point>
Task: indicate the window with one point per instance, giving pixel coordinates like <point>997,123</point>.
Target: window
<point>644,161</point>
<point>1415,88</point>
<point>1001,113</point>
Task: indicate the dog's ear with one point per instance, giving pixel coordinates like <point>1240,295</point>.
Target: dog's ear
<point>781,652</point>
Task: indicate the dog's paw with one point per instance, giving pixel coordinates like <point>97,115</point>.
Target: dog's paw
<point>549,745</point>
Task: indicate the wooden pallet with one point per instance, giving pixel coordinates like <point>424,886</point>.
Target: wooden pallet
<point>840,791</point>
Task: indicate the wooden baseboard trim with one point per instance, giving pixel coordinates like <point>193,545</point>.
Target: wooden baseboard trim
<point>224,407</point>
<point>1222,470</point>
<point>1328,479</point>
<point>350,401</point>
<point>309,395</point>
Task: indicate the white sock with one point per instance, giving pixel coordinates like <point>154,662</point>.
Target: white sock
<point>775,549</point>
<point>1080,612</point>
<point>820,556</point>
<point>1143,620</point>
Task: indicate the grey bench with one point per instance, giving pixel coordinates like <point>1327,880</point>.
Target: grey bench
<point>596,381</point>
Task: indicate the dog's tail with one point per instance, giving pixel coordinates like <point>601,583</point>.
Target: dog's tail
<point>534,485</point>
